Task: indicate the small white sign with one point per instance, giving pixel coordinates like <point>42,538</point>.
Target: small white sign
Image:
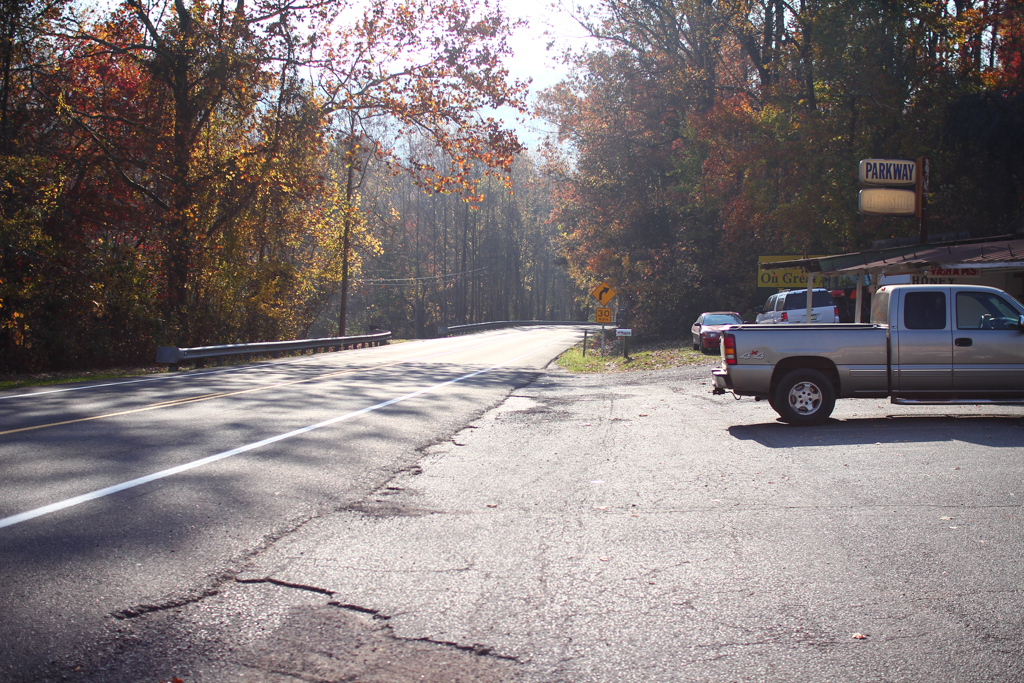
<point>623,333</point>
<point>888,202</point>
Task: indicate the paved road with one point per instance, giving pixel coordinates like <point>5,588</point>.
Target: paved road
<point>137,496</point>
<point>621,528</point>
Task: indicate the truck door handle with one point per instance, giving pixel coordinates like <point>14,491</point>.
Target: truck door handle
<point>963,341</point>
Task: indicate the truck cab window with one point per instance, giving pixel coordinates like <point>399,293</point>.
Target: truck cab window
<point>984,311</point>
<point>924,311</point>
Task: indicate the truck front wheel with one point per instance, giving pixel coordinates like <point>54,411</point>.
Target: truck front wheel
<point>804,397</point>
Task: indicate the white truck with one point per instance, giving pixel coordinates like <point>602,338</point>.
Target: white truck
<point>923,344</point>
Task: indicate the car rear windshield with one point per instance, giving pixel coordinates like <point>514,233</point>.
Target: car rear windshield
<point>798,300</point>
<point>722,320</point>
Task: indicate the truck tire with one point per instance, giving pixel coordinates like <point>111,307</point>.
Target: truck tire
<point>804,397</point>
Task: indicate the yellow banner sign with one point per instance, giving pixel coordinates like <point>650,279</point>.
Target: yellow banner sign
<point>783,278</point>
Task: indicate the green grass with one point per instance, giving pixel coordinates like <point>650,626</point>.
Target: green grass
<point>657,356</point>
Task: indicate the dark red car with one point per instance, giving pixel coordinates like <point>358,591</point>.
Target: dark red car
<point>708,328</point>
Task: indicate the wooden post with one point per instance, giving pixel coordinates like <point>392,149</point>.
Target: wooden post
<point>810,295</point>
<point>922,198</point>
<point>859,295</point>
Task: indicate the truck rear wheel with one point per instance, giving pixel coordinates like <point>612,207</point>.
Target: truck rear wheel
<point>804,397</point>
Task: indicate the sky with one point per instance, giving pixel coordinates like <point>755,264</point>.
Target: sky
<point>532,59</point>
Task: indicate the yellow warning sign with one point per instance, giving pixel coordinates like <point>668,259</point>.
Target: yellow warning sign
<point>603,293</point>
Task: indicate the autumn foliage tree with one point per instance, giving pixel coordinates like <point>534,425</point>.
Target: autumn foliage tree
<point>422,69</point>
<point>176,166</point>
<point>702,134</point>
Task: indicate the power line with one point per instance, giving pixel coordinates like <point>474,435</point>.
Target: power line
<point>406,281</point>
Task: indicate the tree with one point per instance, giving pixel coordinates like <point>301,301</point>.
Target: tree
<point>701,134</point>
<point>435,260</point>
<point>422,64</point>
<point>424,68</point>
<point>179,164</point>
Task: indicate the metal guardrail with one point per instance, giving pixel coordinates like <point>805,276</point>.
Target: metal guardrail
<point>476,327</point>
<point>174,356</point>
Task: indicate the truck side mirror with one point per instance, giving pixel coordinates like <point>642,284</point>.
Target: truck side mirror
<point>1020,323</point>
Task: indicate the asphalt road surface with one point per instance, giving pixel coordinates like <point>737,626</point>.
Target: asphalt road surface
<point>424,513</point>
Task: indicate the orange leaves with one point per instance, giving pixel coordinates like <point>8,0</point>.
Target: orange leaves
<point>429,66</point>
<point>198,131</point>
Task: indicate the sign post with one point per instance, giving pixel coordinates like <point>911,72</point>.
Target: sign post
<point>625,334</point>
<point>921,190</point>
<point>604,294</point>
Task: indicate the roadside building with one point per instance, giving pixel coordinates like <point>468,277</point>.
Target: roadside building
<point>991,261</point>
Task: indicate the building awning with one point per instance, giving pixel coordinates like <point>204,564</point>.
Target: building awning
<point>991,254</point>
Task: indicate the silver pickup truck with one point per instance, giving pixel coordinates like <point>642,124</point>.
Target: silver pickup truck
<point>924,344</point>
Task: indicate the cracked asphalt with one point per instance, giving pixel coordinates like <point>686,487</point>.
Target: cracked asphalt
<point>633,527</point>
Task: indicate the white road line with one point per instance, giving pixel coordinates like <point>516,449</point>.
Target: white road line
<point>116,488</point>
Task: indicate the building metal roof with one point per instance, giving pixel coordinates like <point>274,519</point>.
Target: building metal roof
<point>992,253</point>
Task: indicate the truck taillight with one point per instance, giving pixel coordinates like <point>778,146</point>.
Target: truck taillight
<point>835,312</point>
<point>729,349</point>
<point>785,317</point>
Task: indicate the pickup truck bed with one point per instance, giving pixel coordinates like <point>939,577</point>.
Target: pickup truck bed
<point>854,354</point>
<point>925,343</point>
